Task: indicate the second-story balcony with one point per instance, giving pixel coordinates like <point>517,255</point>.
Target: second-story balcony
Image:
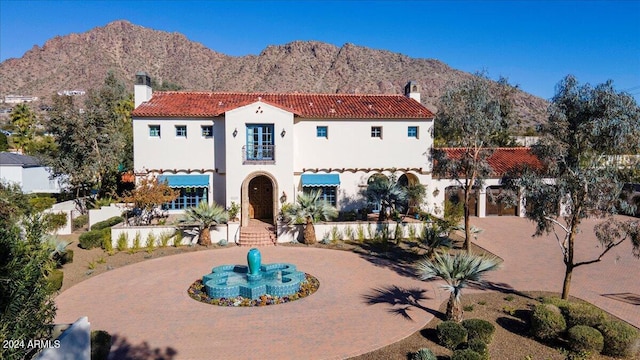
<point>259,154</point>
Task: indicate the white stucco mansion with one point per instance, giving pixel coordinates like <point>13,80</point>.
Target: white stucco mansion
<point>260,149</point>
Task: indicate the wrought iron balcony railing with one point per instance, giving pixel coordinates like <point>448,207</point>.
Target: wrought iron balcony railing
<point>259,154</point>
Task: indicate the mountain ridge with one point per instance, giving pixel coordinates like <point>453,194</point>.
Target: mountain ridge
<point>81,61</point>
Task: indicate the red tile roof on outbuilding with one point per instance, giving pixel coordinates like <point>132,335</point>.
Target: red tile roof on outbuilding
<point>504,159</point>
<point>326,106</point>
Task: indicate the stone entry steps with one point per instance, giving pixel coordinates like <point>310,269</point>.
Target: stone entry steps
<point>257,234</point>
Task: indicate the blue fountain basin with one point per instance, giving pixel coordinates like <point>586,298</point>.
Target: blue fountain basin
<point>278,279</point>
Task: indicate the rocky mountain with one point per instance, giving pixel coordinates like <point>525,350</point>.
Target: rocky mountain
<point>81,61</point>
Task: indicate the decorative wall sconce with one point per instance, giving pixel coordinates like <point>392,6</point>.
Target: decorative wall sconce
<point>235,132</point>
<point>283,133</point>
<point>283,198</point>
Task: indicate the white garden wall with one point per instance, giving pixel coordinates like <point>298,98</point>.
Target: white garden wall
<point>288,233</point>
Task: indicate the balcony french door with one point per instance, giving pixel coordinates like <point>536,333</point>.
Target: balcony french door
<point>259,142</point>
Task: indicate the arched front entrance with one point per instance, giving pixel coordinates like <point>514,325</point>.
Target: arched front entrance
<point>259,192</point>
<point>407,180</point>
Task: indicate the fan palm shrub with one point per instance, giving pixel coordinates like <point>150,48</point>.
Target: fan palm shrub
<point>388,193</point>
<point>308,209</point>
<point>457,271</point>
<point>205,216</point>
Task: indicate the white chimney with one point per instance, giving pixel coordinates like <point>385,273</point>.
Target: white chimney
<point>142,90</point>
<point>412,90</point>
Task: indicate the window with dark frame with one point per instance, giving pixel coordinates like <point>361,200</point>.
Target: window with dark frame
<point>154,130</point>
<point>376,132</point>
<point>412,132</point>
<point>322,132</point>
<point>181,130</point>
<point>207,131</point>
<point>327,193</point>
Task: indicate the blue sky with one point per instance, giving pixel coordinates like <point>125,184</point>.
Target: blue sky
<point>533,43</point>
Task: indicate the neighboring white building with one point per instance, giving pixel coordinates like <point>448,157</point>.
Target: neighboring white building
<point>27,172</point>
<point>259,150</point>
<point>19,99</point>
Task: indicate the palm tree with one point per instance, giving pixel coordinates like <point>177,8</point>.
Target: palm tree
<point>386,192</point>
<point>457,271</point>
<point>309,208</point>
<point>205,216</point>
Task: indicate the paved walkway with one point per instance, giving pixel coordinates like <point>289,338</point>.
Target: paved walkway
<point>362,303</point>
<point>535,263</point>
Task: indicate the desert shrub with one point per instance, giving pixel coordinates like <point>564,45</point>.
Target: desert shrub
<point>348,233</point>
<point>67,257</point>
<point>80,221</point>
<point>620,339</point>
<point>424,354</point>
<point>137,242</point>
<point>165,236</point>
<point>583,314</point>
<point>151,241</point>
<point>335,234</point>
<point>54,280</point>
<point>451,334</point>
<point>360,233</point>
<point>107,245</point>
<point>177,239</point>
<point>466,354</point>
<point>93,239</point>
<point>350,215</point>
<point>41,203</point>
<point>585,338</point>
<point>547,322</point>
<point>54,221</point>
<point>560,303</point>
<point>107,223</point>
<point>100,345</point>
<point>479,329</point>
<point>123,242</point>
<point>479,347</point>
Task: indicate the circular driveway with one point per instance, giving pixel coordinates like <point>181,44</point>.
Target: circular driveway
<point>362,304</point>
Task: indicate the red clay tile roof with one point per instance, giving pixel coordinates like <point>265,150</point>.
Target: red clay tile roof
<point>327,106</point>
<point>504,159</point>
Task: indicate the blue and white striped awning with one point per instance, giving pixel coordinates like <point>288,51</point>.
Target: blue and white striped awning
<point>185,181</point>
<point>309,180</point>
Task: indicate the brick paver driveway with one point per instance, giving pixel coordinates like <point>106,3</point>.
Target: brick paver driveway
<point>362,304</point>
<point>536,264</point>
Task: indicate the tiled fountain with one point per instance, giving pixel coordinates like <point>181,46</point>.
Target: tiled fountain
<point>254,280</point>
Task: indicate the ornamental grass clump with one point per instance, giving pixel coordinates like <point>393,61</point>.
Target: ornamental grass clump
<point>424,354</point>
<point>451,334</point>
<point>151,242</point>
<point>583,338</point>
<point>123,242</point>
<point>547,322</point>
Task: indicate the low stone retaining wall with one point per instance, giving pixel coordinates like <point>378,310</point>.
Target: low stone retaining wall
<point>351,230</point>
<point>228,232</point>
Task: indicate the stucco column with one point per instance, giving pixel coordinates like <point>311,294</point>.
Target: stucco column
<point>482,202</point>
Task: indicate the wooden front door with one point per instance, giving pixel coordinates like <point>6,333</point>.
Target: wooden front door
<point>261,198</point>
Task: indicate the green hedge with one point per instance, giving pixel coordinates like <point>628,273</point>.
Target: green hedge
<point>93,239</point>
<point>480,347</point>
<point>585,339</point>
<point>100,345</point>
<point>107,223</point>
<point>451,334</point>
<point>54,280</point>
<point>547,322</point>
<point>583,314</point>
<point>620,339</point>
<point>466,354</point>
<point>479,329</point>
<point>80,221</point>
